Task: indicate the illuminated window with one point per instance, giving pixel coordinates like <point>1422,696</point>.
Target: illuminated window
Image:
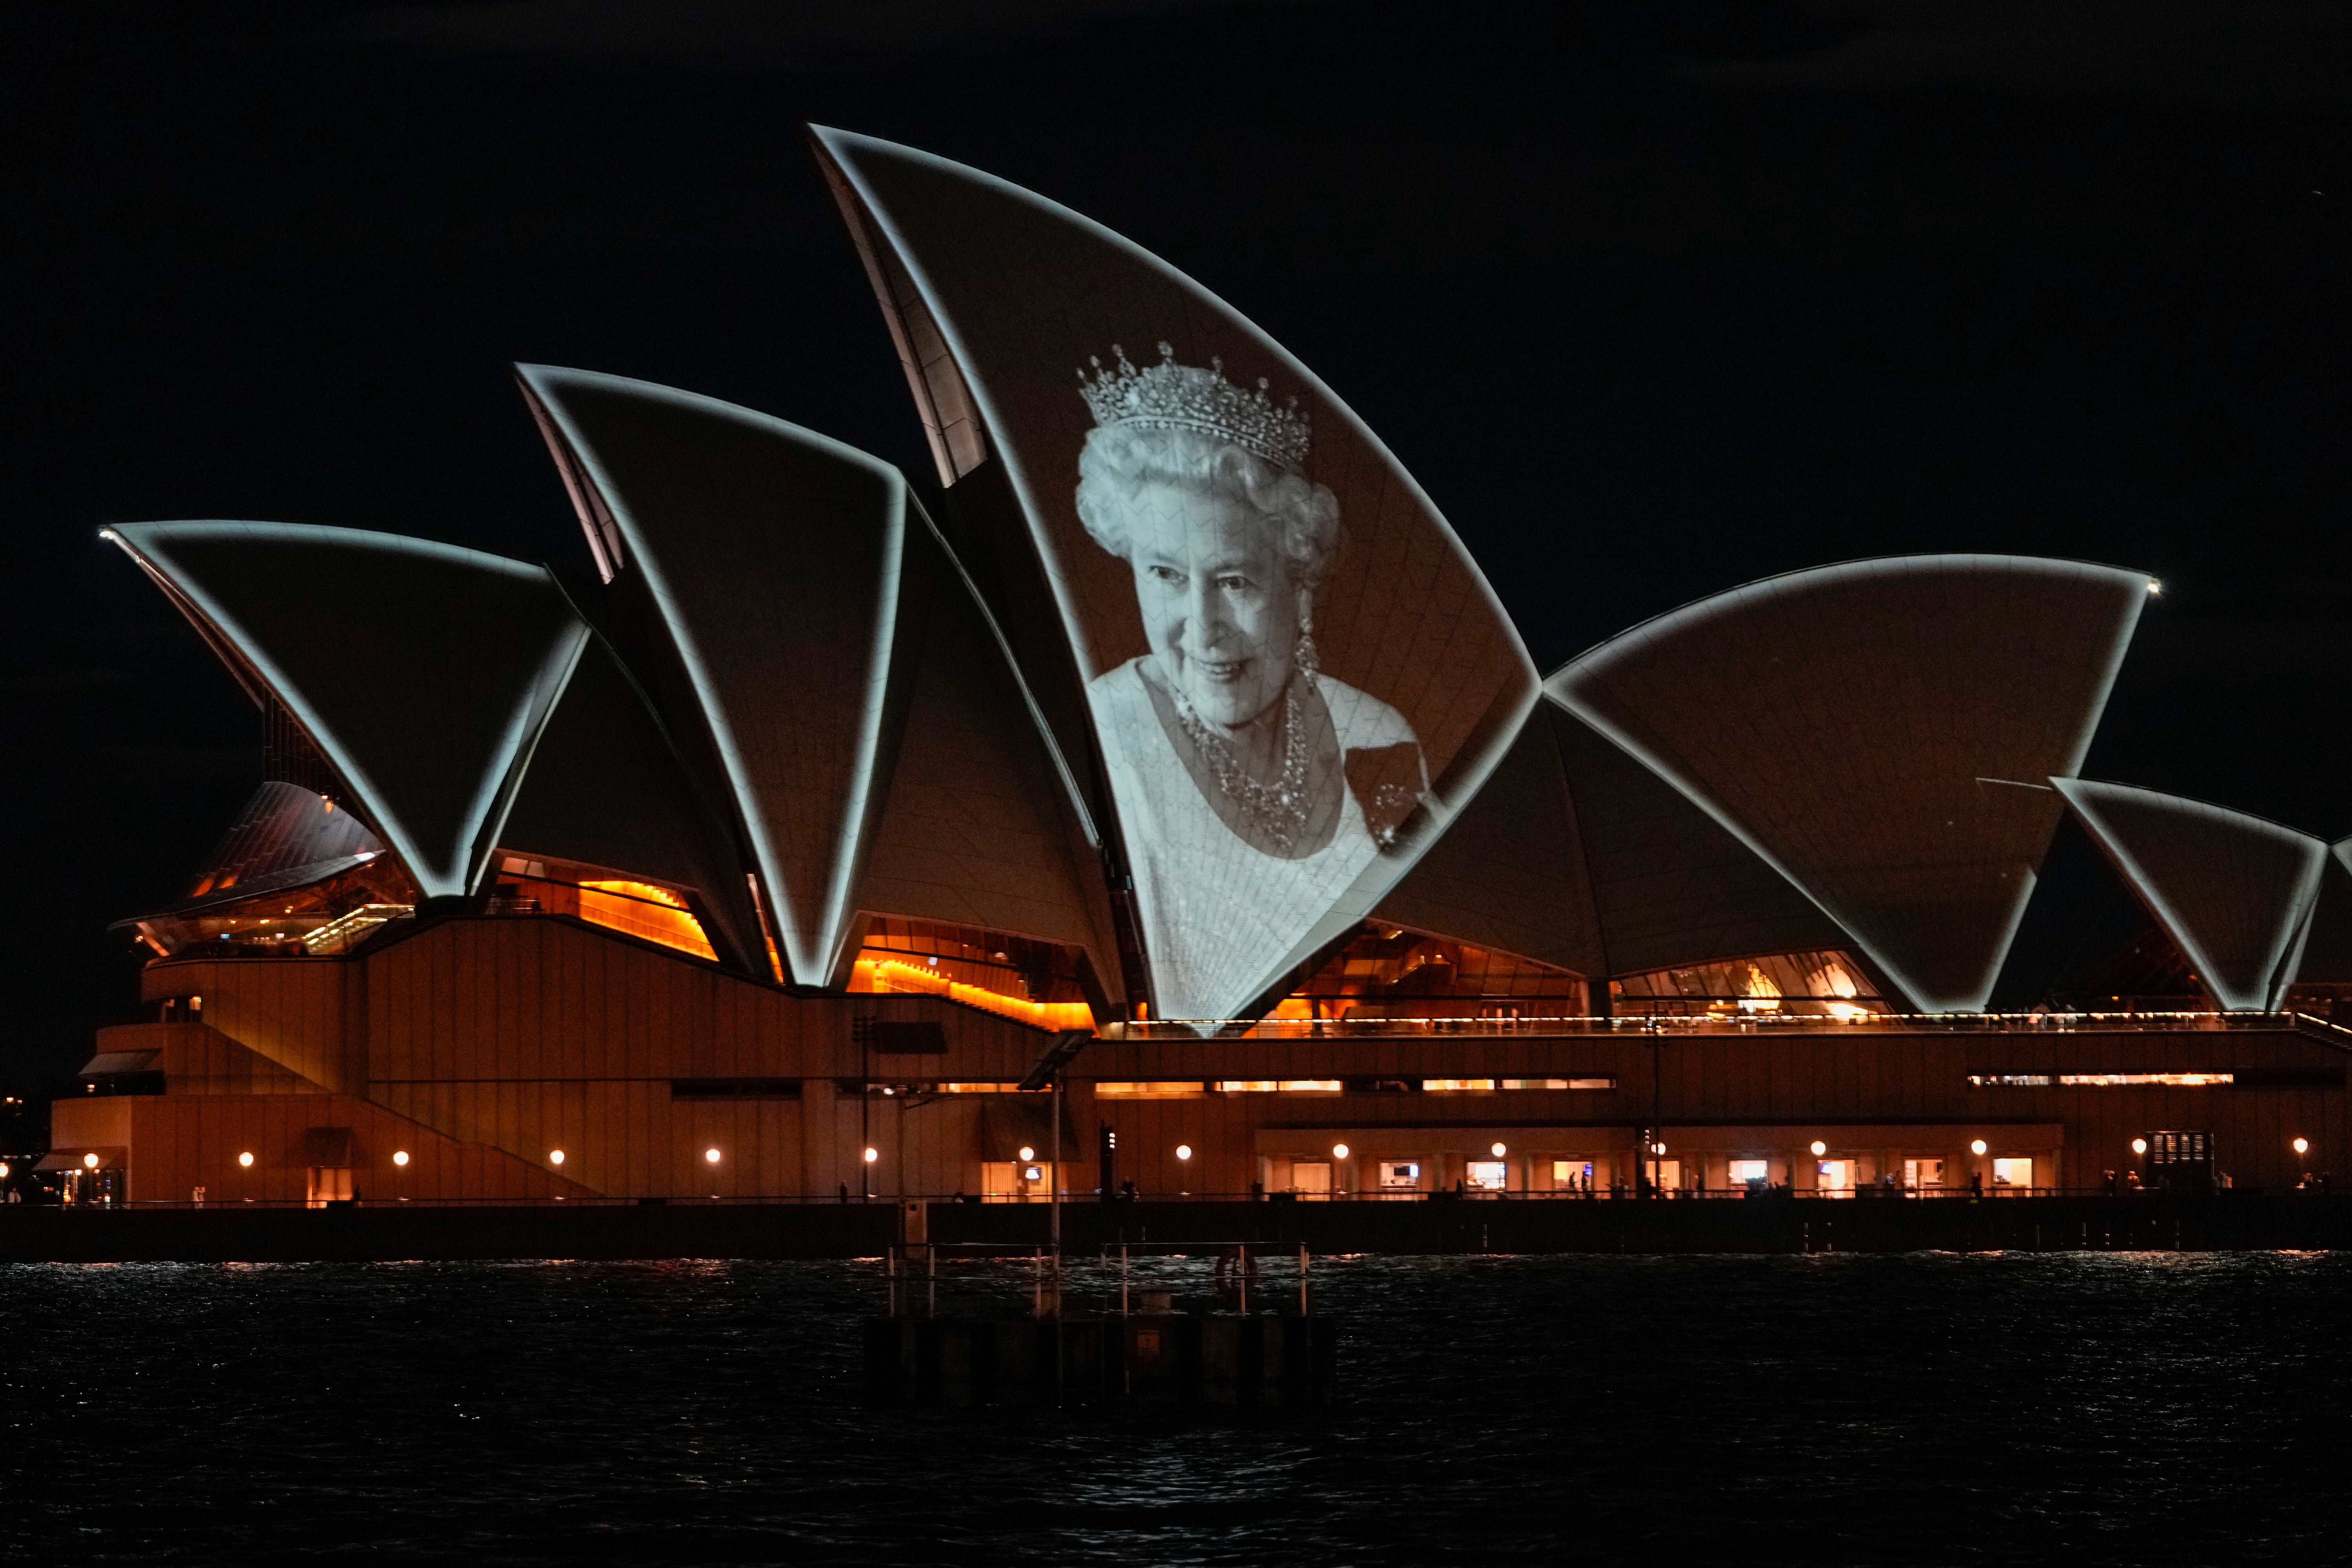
<point>1388,972</point>
<point>640,909</point>
<point>1750,1173</point>
<point>1017,978</point>
<point>1400,1172</point>
<point>1601,1083</point>
<point>1923,1175</point>
<point>1455,1086</point>
<point>1826,983</point>
<point>1278,1086</point>
<point>2101,1080</point>
<point>1487,1176</point>
<point>1577,1174</point>
<point>2012,1172</point>
<point>1174,1089</point>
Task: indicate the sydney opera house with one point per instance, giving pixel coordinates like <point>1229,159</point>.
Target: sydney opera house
<point>1173,750</point>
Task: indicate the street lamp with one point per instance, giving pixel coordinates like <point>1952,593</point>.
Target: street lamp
<point>2302,1146</point>
<point>1499,1151</point>
<point>1338,1150</point>
<point>245,1159</point>
<point>1027,1154</point>
<point>1820,1148</point>
<point>712,1154</point>
<point>2139,1146</point>
<point>872,1153</point>
<point>1979,1146</point>
<point>400,1157</point>
<point>1184,1151</point>
<point>555,1156</point>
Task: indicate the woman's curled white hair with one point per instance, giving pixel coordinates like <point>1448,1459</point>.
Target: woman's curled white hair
<point>1119,460</point>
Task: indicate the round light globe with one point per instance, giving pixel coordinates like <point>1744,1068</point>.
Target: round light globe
<point>2139,1145</point>
<point>90,1162</point>
<point>1184,1151</point>
<point>1338,1150</point>
<point>1500,1151</point>
<point>1978,1147</point>
<point>712,1154</point>
<point>2303,1145</point>
<point>555,1156</point>
<point>1821,1148</point>
<point>400,1157</point>
<point>245,1159</point>
<point>872,1153</point>
<point>1027,1154</point>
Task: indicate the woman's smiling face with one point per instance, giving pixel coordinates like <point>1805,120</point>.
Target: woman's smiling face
<point>1218,603</point>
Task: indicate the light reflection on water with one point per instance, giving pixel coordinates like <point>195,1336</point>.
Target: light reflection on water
<point>2104,1407</point>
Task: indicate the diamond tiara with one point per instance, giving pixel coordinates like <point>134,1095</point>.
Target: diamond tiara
<point>1170,396</point>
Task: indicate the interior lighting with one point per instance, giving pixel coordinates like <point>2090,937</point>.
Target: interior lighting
<point>2302,1146</point>
<point>1500,1151</point>
<point>1184,1151</point>
<point>1978,1147</point>
<point>90,1162</point>
<point>872,1153</point>
<point>712,1154</point>
<point>1657,1148</point>
<point>1338,1150</point>
<point>400,1157</point>
<point>245,1159</point>
<point>1027,1154</point>
<point>2139,1145</point>
<point>555,1156</point>
<point>3,1170</point>
<point>1821,1148</point>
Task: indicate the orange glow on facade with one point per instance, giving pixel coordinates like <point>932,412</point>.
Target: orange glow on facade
<point>885,975</point>
<point>640,909</point>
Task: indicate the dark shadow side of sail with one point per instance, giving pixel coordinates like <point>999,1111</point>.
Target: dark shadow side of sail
<point>769,555</point>
<point>2234,892</point>
<point>1878,731</point>
<point>1508,872</point>
<point>978,828</point>
<point>421,672</point>
<point>604,788</point>
<point>1670,886</point>
<point>2327,954</point>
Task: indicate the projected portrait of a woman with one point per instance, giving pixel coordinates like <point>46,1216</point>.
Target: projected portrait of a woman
<point>1253,787</point>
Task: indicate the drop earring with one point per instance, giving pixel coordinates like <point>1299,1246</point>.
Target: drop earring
<point>1303,656</point>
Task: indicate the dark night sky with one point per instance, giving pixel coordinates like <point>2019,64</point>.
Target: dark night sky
<point>1654,299</point>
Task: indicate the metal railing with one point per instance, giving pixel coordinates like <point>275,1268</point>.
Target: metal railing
<point>1857,1022</point>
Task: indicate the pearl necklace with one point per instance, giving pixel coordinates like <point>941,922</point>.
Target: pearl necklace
<point>1276,813</point>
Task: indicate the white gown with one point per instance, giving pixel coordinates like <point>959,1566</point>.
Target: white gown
<point>1218,917</point>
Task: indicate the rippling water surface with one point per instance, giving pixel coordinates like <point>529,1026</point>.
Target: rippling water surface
<point>2093,1407</point>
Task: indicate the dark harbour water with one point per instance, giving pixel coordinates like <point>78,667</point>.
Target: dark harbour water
<point>2114,1408</point>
